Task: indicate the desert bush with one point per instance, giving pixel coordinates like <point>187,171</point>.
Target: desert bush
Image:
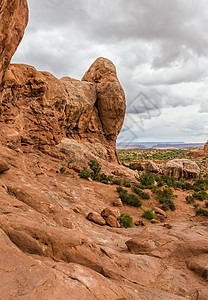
<point>202,195</point>
<point>85,173</point>
<point>148,214</point>
<point>126,183</point>
<point>140,193</point>
<point>126,220</point>
<point>206,204</point>
<point>200,184</point>
<point>116,181</point>
<point>202,212</point>
<point>129,199</point>
<point>190,200</point>
<point>62,170</point>
<point>147,180</point>
<point>95,166</point>
<point>165,197</point>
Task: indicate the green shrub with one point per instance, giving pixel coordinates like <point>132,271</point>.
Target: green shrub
<point>148,214</point>
<point>206,204</point>
<point>94,166</point>
<point>85,173</point>
<point>116,181</point>
<point>202,212</point>
<point>200,184</point>
<point>129,199</point>
<point>202,195</point>
<point>165,198</point>
<point>62,170</point>
<point>126,184</point>
<point>136,166</point>
<point>140,193</point>
<point>147,180</point>
<point>190,200</point>
<point>126,220</point>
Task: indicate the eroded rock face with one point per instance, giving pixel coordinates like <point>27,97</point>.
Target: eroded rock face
<point>110,96</point>
<point>13,20</point>
<point>181,168</point>
<point>39,110</point>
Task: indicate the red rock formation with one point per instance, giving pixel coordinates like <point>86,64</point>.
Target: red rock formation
<point>13,20</point>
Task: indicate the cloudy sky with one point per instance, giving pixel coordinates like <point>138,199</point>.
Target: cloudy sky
<point>160,49</point>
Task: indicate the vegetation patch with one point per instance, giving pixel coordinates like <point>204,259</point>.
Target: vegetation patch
<point>140,193</point>
<point>190,200</point>
<point>202,212</point>
<point>165,197</point>
<point>147,180</point>
<point>129,199</point>
<point>126,220</point>
<point>202,195</point>
<point>95,173</point>
<point>148,214</point>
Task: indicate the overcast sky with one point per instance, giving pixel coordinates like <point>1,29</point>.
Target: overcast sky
<point>160,49</point>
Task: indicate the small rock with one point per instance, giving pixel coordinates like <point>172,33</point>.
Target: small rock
<point>112,222</point>
<point>96,218</point>
<point>4,166</point>
<point>110,212</point>
<point>160,212</point>
<point>139,223</point>
<point>150,166</point>
<point>76,168</point>
<point>118,203</point>
<point>154,221</point>
<point>89,179</point>
<point>168,226</point>
<point>118,172</point>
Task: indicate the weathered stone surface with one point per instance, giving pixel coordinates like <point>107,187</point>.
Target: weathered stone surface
<point>112,222</point>
<point>150,166</point>
<point>181,168</point>
<point>13,21</point>
<point>39,110</point>
<point>96,218</point>
<point>4,166</point>
<point>182,240</point>
<point>111,99</point>
<point>199,265</point>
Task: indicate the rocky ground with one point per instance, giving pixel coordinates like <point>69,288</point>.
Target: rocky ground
<point>49,250</point>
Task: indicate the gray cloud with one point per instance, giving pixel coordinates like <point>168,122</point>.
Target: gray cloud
<point>159,48</point>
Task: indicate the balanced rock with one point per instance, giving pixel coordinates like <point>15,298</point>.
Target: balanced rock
<point>96,218</point>
<point>13,21</point>
<point>181,168</point>
<point>110,95</point>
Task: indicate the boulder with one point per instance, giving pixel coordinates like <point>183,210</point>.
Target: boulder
<point>4,166</point>
<point>118,202</point>
<point>181,168</point>
<point>150,166</point>
<point>110,212</point>
<point>112,222</point>
<point>96,218</point>
<point>13,21</point>
<point>161,212</point>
